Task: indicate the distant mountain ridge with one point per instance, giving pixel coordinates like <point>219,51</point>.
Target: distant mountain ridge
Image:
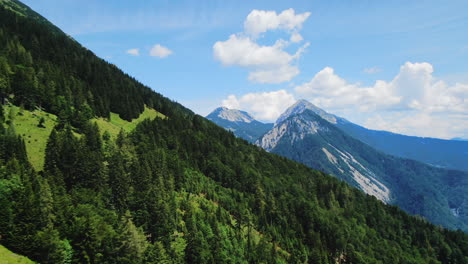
<point>241,123</point>
<point>326,142</point>
<point>306,137</point>
<point>302,134</point>
<point>450,154</point>
<point>442,153</point>
<point>232,115</point>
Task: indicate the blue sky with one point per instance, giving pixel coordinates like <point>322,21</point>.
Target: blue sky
<point>392,65</point>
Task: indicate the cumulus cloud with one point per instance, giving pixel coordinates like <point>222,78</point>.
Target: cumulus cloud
<point>259,21</point>
<point>160,51</point>
<point>414,87</point>
<point>295,37</point>
<point>329,90</point>
<point>243,51</point>
<point>414,102</point>
<point>134,52</point>
<point>420,124</point>
<point>266,106</point>
<point>267,63</point>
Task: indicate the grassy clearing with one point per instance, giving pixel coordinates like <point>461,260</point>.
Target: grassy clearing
<point>26,125</point>
<point>35,137</point>
<point>115,123</point>
<point>8,257</point>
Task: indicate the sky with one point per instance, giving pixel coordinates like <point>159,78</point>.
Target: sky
<point>399,66</point>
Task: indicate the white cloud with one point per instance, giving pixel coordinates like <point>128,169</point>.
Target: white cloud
<point>160,51</point>
<point>259,21</point>
<point>267,64</point>
<point>420,124</point>
<point>295,37</point>
<point>414,102</point>
<point>278,75</point>
<point>372,70</point>
<point>331,91</point>
<point>413,87</point>
<point>243,51</point>
<point>134,52</point>
<point>266,106</point>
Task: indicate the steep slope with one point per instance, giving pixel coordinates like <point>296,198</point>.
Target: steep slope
<point>36,126</point>
<point>241,123</point>
<point>451,154</point>
<point>418,188</point>
<point>183,190</point>
<point>45,68</point>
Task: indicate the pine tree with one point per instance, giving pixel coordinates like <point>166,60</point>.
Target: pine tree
<point>134,244</point>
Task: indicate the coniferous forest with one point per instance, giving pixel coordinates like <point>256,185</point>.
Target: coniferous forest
<point>177,189</point>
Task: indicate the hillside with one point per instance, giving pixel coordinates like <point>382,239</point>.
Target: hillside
<point>450,154</point>
<point>177,189</point>
<point>35,132</point>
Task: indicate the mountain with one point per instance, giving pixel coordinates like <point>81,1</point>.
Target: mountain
<point>301,105</point>
<point>305,136</point>
<point>114,187</point>
<point>241,123</point>
<point>450,154</point>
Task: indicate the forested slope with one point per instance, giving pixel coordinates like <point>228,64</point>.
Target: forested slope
<point>174,190</point>
<point>45,68</point>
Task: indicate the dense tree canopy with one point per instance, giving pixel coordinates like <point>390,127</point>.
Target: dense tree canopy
<point>175,190</point>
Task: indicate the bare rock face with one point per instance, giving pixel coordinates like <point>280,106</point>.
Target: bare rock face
<point>296,128</point>
<point>232,115</point>
<point>302,105</point>
<point>241,123</point>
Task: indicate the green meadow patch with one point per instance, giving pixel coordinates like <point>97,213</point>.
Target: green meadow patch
<point>35,127</point>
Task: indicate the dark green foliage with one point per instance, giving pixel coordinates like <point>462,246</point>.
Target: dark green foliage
<point>134,213</point>
<point>41,122</point>
<point>41,66</point>
<point>180,189</point>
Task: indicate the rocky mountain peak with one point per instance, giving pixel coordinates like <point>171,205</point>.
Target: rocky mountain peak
<point>300,106</point>
<point>232,115</point>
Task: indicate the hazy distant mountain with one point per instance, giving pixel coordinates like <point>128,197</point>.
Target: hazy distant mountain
<point>303,134</point>
<point>460,139</point>
<point>451,154</point>
<point>241,123</point>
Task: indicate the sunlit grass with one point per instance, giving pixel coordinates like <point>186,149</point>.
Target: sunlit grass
<point>8,257</point>
<point>35,137</point>
<point>115,123</point>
